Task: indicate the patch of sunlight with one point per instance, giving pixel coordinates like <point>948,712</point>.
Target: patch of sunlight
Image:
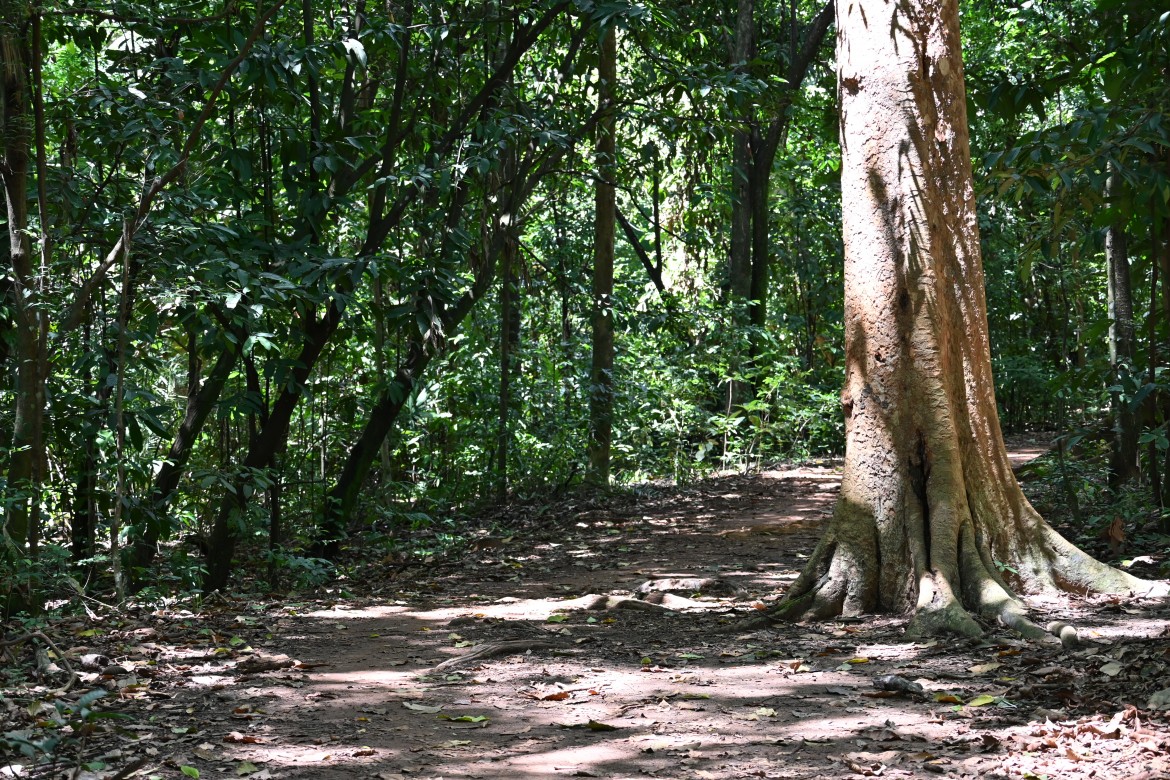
<point>575,759</point>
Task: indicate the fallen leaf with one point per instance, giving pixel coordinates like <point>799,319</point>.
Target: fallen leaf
<point>981,701</point>
<point>592,725</point>
<point>985,668</point>
<point>242,739</point>
<point>947,698</point>
<point>190,771</point>
<point>246,768</point>
<point>422,707</point>
<point>465,718</point>
<point>557,696</point>
<point>1160,700</point>
<point>1112,669</point>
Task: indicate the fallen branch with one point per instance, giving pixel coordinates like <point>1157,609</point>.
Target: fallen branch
<point>495,650</point>
<point>45,665</point>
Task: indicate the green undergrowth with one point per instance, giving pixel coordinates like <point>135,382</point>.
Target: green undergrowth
<point>1072,492</point>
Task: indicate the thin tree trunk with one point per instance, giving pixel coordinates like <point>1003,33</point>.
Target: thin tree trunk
<point>601,371</point>
<point>1163,251</point>
<point>121,493</point>
<point>380,361</point>
<point>27,427</point>
<point>1124,465</point>
<point>740,259</point>
<point>83,527</point>
<point>1153,403</point>
<point>509,342</point>
<point>342,498</point>
<point>764,148</point>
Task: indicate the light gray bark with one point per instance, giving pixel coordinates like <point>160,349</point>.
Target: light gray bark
<point>930,519</point>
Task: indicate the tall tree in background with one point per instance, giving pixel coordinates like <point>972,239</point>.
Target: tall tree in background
<point>930,517</point>
<point>760,131</point>
<point>1124,465</point>
<point>16,131</point>
<point>605,218</point>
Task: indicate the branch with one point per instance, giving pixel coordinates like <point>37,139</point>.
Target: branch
<point>52,646</point>
<point>636,243</point>
<point>798,70</point>
<point>519,47</point>
<point>76,311</point>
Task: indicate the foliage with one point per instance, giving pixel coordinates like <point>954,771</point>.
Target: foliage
<point>320,258</point>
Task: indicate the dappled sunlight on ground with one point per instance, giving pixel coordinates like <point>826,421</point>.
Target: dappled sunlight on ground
<point>487,666</point>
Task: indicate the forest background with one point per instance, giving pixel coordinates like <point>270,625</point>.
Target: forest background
<point>285,278</point>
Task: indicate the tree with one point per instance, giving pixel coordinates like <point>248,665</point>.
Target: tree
<point>930,518</point>
<point>1124,465</point>
<point>25,462</point>
<point>601,373</point>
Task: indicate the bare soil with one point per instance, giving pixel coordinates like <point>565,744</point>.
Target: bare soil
<point>488,666</point>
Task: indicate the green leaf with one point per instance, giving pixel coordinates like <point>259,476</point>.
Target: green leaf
<point>189,771</point>
<point>465,718</point>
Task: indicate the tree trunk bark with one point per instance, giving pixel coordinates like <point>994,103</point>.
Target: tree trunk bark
<point>1163,251</point>
<point>509,342</point>
<point>930,519</point>
<point>740,258</point>
<point>1124,465</point>
<point>16,121</point>
<point>601,371</point>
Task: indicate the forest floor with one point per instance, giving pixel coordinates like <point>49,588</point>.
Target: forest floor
<point>488,666</point>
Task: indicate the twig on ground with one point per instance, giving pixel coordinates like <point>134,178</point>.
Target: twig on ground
<point>494,650</point>
<point>45,666</point>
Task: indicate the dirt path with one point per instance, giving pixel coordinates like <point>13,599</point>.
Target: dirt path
<point>626,693</point>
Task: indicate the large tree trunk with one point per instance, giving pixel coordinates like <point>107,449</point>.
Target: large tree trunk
<point>601,371</point>
<point>930,518</point>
